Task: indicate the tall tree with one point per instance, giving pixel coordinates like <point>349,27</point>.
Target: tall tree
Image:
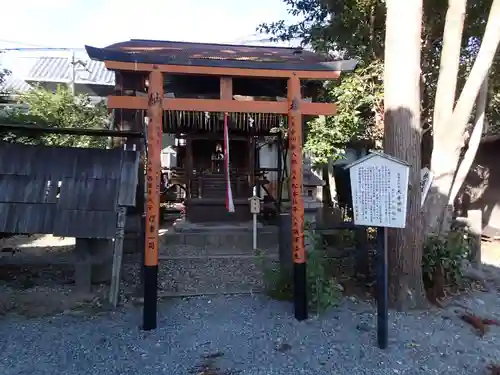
<point>402,138</point>
<point>349,28</point>
<point>451,121</point>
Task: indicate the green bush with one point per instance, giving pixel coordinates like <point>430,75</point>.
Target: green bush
<point>322,290</point>
<point>443,257</point>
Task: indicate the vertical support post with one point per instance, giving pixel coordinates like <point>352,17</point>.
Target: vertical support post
<point>475,227</point>
<point>298,248</point>
<point>189,166</point>
<point>153,181</point>
<point>252,159</point>
<point>279,187</point>
<point>114,291</point>
<point>254,231</point>
<point>226,88</point>
<point>362,257</point>
<point>382,289</point>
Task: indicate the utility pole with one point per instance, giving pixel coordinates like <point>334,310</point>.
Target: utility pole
<point>73,73</point>
<point>74,62</point>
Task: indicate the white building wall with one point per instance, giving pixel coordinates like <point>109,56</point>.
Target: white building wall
<point>168,152</point>
<point>268,156</point>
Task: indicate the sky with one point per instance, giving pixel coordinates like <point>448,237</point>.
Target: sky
<point>99,23</point>
<point>74,23</point>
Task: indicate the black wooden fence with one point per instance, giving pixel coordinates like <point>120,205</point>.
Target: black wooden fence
<point>68,192</point>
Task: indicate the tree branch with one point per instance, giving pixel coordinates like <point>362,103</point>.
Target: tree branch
<point>450,62</point>
<point>473,143</point>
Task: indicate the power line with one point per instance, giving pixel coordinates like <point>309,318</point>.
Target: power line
<point>42,49</point>
<point>21,43</point>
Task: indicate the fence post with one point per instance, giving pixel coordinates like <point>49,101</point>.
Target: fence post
<point>475,225</point>
<point>362,268</point>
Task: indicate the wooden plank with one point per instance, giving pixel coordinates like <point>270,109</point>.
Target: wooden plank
<point>153,172</point>
<point>88,194</point>
<point>23,189</point>
<point>129,178</point>
<point>221,105</point>
<point>31,129</point>
<point>296,176</point>
<point>114,292</point>
<point>98,163</point>
<point>220,71</point>
<point>21,159</point>
<point>26,218</point>
<point>85,224</point>
<point>226,88</point>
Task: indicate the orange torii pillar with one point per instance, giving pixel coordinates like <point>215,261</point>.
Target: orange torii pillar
<point>153,180</point>
<point>295,150</point>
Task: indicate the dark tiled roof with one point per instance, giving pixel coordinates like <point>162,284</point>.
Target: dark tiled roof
<point>184,50</point>
<point>217,55</point>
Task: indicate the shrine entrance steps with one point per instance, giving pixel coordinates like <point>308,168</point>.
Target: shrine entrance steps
<point>198,259</point>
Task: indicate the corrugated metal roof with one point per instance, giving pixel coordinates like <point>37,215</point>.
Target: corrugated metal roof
<point>218,55</point>
<point>59,69</point>
<point>185,50</point>
<point>14,85</point>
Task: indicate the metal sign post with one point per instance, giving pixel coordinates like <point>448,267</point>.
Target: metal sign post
<point>379,186</point>
<point>255,210</point>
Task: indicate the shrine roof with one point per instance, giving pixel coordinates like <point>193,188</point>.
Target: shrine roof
<point>218,55</point>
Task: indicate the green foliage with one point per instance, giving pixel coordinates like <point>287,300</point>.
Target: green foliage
<point>3,76</point>
<point>58,110</point>
<point>4,73</point>
<point>355,29</point>
<point>352,28</point>
<point>359,97</point>
<point>322,289</point>
<point>444,256</point>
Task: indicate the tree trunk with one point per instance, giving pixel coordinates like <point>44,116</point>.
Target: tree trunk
<point>473,144</point>
<point>444,154</point>
<point>402,139</point>
<point>450,62</point>
<point>449,133</point>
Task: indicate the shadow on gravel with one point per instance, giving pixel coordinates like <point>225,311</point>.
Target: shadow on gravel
<point>208,366</point>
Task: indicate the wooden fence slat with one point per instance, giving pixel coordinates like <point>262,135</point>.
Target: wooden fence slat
<point>114,292</point>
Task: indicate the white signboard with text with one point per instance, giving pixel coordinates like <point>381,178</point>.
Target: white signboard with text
<point>379,187</point>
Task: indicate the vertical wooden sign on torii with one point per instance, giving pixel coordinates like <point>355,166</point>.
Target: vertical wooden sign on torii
<point>153,180</point>
<point>295,149</point>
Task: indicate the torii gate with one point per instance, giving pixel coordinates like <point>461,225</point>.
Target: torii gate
<point>153,58</point>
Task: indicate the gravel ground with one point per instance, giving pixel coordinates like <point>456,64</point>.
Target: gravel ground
<point>249,335</point>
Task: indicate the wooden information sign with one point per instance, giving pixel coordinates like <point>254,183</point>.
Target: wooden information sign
<point>379,187</point>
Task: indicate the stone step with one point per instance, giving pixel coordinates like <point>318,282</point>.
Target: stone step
<point>169,250</point>
<point>212,275</point>
<point>235,242</point>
